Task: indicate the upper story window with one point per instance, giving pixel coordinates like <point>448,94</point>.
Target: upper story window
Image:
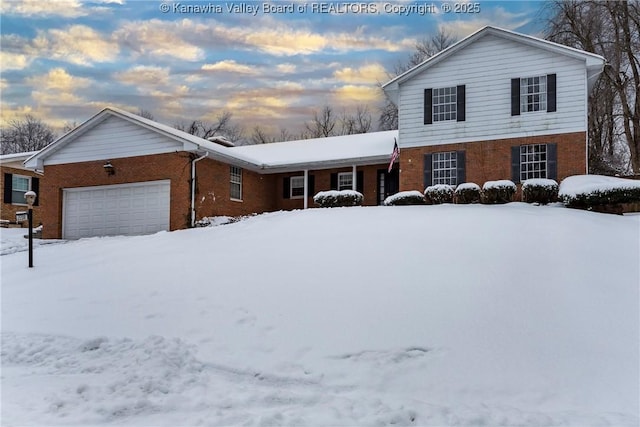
<point>533,94</point>
<point>536,93</point>
<point>296,187</point>
<point>236,183</point>
<point>444,104</point>
<point>345,181</point>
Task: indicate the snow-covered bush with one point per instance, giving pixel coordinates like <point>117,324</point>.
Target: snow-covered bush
<point>495,192</point>
<point>586,191</point>
<point>466,193</point>
<point>438,194</point>
<point>412,197</point>
<point>334,199</point>
<point>539,190</point>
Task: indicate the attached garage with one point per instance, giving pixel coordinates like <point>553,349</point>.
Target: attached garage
<point>109,210</point>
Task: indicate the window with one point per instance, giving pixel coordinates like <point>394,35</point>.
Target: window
<point>19,186</point>
<point>445,168</point>
<point>533,161</point>
<point>345,181</point>
<point>236,183</point>
<point>297,187</point>
<point>533,94</point>
<point>445,101</point>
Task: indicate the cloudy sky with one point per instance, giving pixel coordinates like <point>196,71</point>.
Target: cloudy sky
<point>269,63</point>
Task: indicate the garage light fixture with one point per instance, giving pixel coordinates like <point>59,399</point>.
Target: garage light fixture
<point>108,167</point>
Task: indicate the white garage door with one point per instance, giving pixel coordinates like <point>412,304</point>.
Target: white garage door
<point>110,210</point>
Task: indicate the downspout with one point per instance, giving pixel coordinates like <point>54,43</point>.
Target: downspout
<point>193,188</point>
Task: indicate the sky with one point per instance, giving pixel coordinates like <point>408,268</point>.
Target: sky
<point>270,63</point>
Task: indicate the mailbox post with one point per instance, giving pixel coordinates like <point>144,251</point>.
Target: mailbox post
<point>30,196</point>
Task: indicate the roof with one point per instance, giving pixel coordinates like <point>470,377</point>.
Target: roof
<point>16,157</point>
<point>360,149</point>
<point>594,63</point>
<point>319,153</point>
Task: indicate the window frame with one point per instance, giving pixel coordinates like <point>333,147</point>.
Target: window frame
<point>533,96</point>
<point>345,174</point>
<point>445,99</point>
<point>292,186</point>
<point>532,155</point>
<point>441,162</point>
<point>13,189</point>
<point>235,179</point>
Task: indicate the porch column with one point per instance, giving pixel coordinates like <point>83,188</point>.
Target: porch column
<point>355,179</point>
<point>306,188</point>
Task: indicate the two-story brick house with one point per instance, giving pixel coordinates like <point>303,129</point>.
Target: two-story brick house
<point>496,105</point>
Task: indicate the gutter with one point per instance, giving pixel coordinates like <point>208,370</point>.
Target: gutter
<point>193,188</point>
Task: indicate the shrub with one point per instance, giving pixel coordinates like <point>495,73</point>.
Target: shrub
<point>588,191</point>
<point>539,190</point>
<point>335,199</point>
<point>413,197</point>
<point>438,194</point>
<point>466,193</point>
<point>495,192</point>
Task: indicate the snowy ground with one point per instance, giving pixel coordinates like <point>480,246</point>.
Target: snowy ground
<point>414,315</point>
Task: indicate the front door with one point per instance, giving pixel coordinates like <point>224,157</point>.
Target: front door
<point>388,183</point>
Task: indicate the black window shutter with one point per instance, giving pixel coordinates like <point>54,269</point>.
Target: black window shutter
<point>552,161</point>
<point>461,167</point>
<point>551,93</point>
<point>286,187</point>
<point>461,103</point>
<point>515,164</point>
<point>312,185</point>
<point>515,97</point>
<point>35,187</point>
<point>428,105</point>
<point>427,170</point>
<point>334,181</point>
<point>360,182</point>
<point>8,183</point>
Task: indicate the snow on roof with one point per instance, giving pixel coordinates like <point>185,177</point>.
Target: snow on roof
<point>329,152</point>
<point>16,156</point>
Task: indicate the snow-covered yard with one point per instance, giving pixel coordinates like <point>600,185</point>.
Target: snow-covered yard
<point>413,315</point>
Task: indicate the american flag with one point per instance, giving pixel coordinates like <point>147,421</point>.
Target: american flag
<point>394,155</point>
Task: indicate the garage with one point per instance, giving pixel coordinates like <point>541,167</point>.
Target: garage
<point>110,210</point>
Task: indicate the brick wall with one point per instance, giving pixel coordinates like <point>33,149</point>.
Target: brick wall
<point>173,166</point>
<point>213,191</point>
<point>491,160</point>
<point>8,211</point>
<point>323,183</point>
<point>212,187</point>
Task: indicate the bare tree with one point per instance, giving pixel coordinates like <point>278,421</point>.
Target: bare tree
<point>322,124</point>
<point>425,49</point>
<point>223,125</point>
<point>69,126</point>
<point>357,122</point>
<point>259,136</point>
<point>145,113</point>
<point>28,134</point>
<point>610,29</point>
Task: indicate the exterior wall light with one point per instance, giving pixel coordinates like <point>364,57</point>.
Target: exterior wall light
<point>108,167</point>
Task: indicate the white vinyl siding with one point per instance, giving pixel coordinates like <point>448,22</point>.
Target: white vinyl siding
<point>486,68</point>
<point>109,210</point>
<point>114,138</point>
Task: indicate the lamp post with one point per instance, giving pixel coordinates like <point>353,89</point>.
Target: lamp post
<point>30,196</point>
